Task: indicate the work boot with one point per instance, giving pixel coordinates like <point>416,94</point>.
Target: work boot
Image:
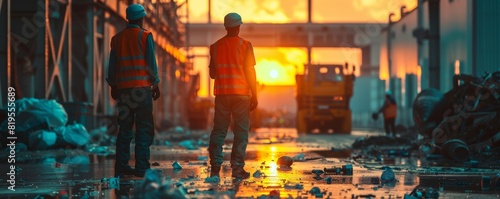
<point>214,171</point>
<point>239,172</point>
<point>127,170</point>
<point>139,173</point>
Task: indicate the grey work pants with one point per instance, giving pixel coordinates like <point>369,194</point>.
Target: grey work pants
<point>236,107</point>
<point>135,105</point>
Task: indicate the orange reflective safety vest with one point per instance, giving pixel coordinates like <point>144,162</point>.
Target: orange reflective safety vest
<point>390,112</point>
<point>132,69</point>
<point>228,55</point>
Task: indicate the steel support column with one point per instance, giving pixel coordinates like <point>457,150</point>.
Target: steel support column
<point>98,62</point>
<point>58,69</point>
<point>8,45</point>
<point>5,55</point>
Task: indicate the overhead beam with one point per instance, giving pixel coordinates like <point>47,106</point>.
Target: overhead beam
<point>355,35</point>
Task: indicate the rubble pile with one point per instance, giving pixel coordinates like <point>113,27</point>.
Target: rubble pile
<point>43,124</point>
<point>363,143</point>
<point>461,124</point>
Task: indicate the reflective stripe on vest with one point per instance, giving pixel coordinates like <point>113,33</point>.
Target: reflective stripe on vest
<point>390,111</point>
<point>132,69</point>
<point>228,55</point>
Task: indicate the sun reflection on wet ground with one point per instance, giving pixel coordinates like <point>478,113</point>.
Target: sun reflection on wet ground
<point>83,175</point>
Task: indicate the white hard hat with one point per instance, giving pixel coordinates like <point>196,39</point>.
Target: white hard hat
<point>232,20</point>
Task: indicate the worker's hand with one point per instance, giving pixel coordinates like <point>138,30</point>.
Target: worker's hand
<point>253,103</point>
<point>156,92</point>
<point>114,93</point>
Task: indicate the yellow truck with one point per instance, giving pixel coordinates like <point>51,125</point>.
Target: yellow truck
<point>323,95</point>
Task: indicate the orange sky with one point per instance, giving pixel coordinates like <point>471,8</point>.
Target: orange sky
<point>283,11</point>
<point>277,66</point>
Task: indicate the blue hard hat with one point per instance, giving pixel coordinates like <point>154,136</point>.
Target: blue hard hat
<point>135,11</point>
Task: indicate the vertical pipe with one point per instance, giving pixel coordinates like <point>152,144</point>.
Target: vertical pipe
<point>8,45</point>
<point>434,46</point>
<point>70,52</point>
<point>474,38</point>
<point>420,43</point>
<point>47,29</point>
<point>89,39</point>
<point>209,11</point>
<point>309,52</point>
<point>1,73</point>
<point>310,98</point>
<point>187,28</point>
<point>309,11</point>
<point>389,48</point>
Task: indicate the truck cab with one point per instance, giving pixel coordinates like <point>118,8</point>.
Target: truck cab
<point>323,95</point>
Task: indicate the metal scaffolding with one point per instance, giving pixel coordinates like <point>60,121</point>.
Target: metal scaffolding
<point>59,50</point>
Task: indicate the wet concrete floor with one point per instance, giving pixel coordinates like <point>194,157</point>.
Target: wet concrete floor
<point>79,174</point>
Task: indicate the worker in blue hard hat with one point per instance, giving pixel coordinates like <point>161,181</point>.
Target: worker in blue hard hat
<point>389,110</point>
<point>232,64</point>
<point>133,77</point>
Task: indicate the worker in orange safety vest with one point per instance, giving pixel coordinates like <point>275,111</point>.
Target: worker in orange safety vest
<point>232,64</point>
<point>133,77</point>
<point>389,110</point>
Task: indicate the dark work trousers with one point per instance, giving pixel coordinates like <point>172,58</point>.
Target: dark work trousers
<point>390,126</point>
<point>135,105</point>
<point>237,107</point>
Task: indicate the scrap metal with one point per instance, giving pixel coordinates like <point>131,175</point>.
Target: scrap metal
<point>462,123</point>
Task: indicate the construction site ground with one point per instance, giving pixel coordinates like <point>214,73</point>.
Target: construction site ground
<point>76,173</point>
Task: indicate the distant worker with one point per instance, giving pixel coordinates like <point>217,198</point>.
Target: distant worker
<point>389,110</point>
<point>232,64</point>
<point>133,77</point>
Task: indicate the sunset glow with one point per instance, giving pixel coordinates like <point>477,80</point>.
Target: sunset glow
<point>282,11</point>
<point>278,66</point>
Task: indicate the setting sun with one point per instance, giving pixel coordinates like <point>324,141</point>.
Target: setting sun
<point>273,74</point>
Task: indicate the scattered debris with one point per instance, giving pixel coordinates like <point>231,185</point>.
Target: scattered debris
<point>112,183</point>
<point>388,176</point>
<point>285,161</point>
<point>294,186</point>
<point>257,174</point>
<point>176,165</point>
<point>212,179</point>
<point>453,182</point>
<point>318,178</point>
<point>315,190</point>
<point>299,158</point>
<point>203,158</point>
<point>198,163</point>
<point>369,180</point>
<point>317,172</point>
<point>363,143</point>
<point>274,194</point>
<point>101,150</point>
<point>188,144</point>
<point>192,175</point>
<point>74,135</point>
<point>328,180</point>
<point>344,170</point>
<point>418,193</point>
